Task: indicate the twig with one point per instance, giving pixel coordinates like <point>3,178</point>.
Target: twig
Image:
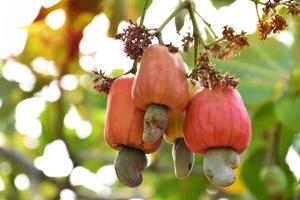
<point>196,44</point>
<point>59,126</point>
<point>207,24</point>
<point>196,31</point>
<point>134,65</point>
<point>32,172</point>
<point>19,160</point>
<point>215,42</point>
<point>157,32</point>
<point>131,71</point>
<point>256,8</point>
<point>144,12</point>
<point>181,6</point>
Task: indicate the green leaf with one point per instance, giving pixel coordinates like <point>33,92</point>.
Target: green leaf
<point>294,82</point>
<point>139,4</point>
<point>286,138</point>
<point>263,69</point>
<point>288,111</point>
<point>263,121</point>
<point>221,3</point>
<point>296,143</point>
<point>250,174</point>
<point>179,20</point>
<point>48,120</point>
<point>188,57</point>
<point>47,189</point>
<point>134,8</point>
<point>167,187</point>
<point>209,35</point>
<point>285,141</point>
<point>291,179</point>
<point>10,95</point>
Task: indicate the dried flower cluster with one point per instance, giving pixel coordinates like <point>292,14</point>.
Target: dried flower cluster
<point>231,44</point>
<point>187,41</point>
<point>265,28</point>
<point>209,77</point>
<point>292,7</point>
<point>271,5</point>
<point>101,82</point>
<point>171,47</point>
<point>272,22</point>
<point>135,38</point>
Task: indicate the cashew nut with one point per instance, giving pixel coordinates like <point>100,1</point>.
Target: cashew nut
<point>183,159</point>
<point>155,123</point>
<point>129,165</point>
<point>218,165</point>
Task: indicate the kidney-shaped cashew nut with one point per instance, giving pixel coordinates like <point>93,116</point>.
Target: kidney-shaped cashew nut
<point>129,165</point>
<point>183,159</point>
<point>219,164</point>
<point>155,123</point>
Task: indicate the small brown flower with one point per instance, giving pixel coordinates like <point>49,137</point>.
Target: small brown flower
<point>229,80</point>
<point>278,23</point>
<point>228,33</point>
<point>136,39</point>
<point>293,10</point>
<point>241,39</point>
<point>292,7</point>
<point>272,22</point>
<point>216,51</point>
<point>264,29</point>
<point>102,83</point>
<point>269,5</point>
<point>172,48</point>
<point>231,45</point>
<point>187,40</point>
<point>208,76</point>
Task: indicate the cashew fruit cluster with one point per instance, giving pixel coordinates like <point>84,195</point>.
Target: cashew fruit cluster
<point>158,102</point>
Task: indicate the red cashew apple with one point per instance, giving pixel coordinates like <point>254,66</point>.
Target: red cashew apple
<point>217,125</point>
<point>124,130</point>
<point>159,87</point>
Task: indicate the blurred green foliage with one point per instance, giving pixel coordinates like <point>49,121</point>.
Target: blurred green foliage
<point>270,85</point>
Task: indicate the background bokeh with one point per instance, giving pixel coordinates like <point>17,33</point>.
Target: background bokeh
<point>51,119</point>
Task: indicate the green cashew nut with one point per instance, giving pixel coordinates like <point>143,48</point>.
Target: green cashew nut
<point>129,165</point>
<point>183,159</point>
<point>218,165</point>
<point>155,123</point>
